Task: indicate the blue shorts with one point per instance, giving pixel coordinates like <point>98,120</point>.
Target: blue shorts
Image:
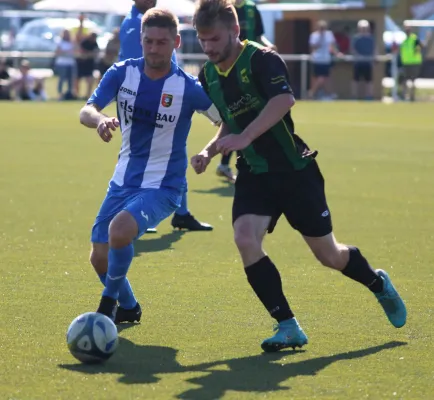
<point>148,207</point>
<point>321,70</point>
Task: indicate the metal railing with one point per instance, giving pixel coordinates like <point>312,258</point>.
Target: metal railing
<point>305,59</point>
<point>197,59</point>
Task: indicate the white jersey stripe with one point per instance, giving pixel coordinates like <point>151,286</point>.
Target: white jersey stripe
<point>132,80</point>
<point>162,139</point>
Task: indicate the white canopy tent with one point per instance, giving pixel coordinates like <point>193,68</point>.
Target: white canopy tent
<point>182,8</point>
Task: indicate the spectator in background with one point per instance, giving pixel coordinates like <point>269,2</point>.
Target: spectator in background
<point>5,81</point>
<point>129,35</point>
<point>343,40</point>
<point>86,62</point>
<point>323,45</point>
<point>250,20</point>
<point>363,45</point>
<point>27,86</point>
<point>411,61</point>
<point>111,53</point>
<point>87,55</point>
<point>65,65</point>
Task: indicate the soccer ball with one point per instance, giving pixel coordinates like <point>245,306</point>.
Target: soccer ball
<point>92,338</point>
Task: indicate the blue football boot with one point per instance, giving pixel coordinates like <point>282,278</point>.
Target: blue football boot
<point>288,334</point>
<point>391,302</point>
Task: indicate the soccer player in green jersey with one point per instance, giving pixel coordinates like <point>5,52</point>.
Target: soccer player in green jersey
<point>278,173</point>
<point>251,28</point>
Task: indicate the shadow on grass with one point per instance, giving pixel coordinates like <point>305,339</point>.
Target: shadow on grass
<point>151,244</point>
<point>259,373</point>
<point>227,190</point>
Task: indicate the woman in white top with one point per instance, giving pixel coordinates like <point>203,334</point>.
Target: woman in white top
<point>323,45</point>
<point>65,64</point>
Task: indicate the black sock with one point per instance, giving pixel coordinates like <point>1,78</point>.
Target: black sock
<point>359,270</point>
<point>226,159</point>
<point>264,278</point>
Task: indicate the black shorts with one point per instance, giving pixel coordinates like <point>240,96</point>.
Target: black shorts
<point>85,68</point>
<point>300,196</point>
<point>363,72</point>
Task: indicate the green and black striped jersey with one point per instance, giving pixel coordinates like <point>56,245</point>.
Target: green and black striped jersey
<point>241,93</point>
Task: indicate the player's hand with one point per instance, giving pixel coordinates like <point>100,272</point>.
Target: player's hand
<point>200,162</point>
<point>105,128</point>
<point>232,143</point>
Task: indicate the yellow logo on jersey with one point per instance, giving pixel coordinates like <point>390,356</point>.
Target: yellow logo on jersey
<point>244,77</point>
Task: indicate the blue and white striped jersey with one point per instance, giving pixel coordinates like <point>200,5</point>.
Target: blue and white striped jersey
<point>155,118</point>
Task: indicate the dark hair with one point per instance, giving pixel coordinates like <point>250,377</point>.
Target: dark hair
<point>208,12</point>
<point>160,18</point>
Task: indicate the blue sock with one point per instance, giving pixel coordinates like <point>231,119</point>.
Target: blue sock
<point>183,208</point>
<point>102,278</point>
<point>126,295</point>
<point>119,261</point>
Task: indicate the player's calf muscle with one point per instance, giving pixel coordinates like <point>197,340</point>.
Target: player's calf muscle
<point>99,262</point>
<point>99,257</point>
<point>328,251</point>
<point>336,260</point>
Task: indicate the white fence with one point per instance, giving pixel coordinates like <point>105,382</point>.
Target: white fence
<point>195,60</point>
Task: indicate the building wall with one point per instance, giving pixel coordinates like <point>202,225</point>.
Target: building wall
<point>400,11</point>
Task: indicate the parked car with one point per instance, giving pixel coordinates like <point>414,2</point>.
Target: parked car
<point>44,35</point>
<point>16,4</point>
<point>11,21</point>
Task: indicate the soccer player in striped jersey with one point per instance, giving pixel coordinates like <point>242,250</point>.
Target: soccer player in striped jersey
<point>155,103</point>
<point>131,47</point>
<point>278,174</point>
<point>251,28</point>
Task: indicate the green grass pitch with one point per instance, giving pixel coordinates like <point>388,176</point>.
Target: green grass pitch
<point>202,325</point>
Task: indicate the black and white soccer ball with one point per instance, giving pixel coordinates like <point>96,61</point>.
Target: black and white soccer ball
<point>92,338</point>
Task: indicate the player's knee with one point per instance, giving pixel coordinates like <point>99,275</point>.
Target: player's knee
<point>119,237</point>
<point>246,240</point>
<point>122,230</point>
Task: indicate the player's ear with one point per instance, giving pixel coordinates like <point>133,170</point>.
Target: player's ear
<point>235,30</point>
<point>177,41</point>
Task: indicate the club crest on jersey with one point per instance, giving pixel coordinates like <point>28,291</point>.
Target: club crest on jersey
<point>244,77</point>
<point>166,100</point>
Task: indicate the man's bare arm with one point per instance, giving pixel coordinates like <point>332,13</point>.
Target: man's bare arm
<point>211,148</point>
<point>92,117</point>
<point>272,113</point>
